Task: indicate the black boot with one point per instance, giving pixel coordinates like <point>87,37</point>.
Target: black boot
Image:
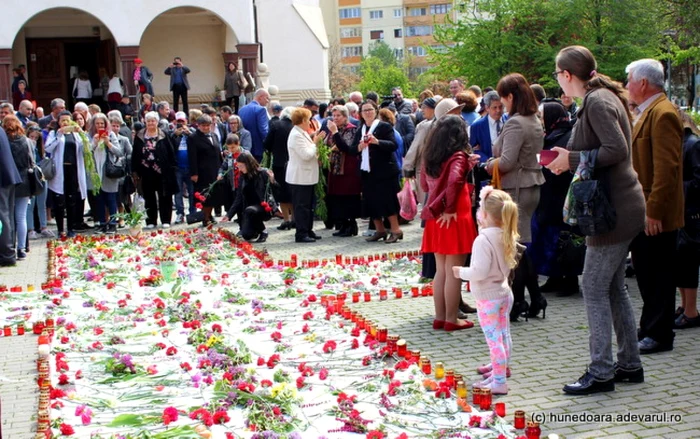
<point>342,229</point>
<point>520,309</point>
<point>537,301</point>
<point>520,306</point>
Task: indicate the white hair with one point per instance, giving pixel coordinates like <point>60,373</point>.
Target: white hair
<point>115,116</point>
<point>287,113</point>
<point>352,107</point>
<point>649,69</point>
<point>80,106</point>
<point>151,115</point>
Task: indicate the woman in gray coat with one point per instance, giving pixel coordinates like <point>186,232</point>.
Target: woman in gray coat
<point>232,85</point>
<point>515,161</point>
<point>105,146</point>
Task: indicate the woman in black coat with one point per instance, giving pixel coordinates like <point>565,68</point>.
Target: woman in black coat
<point>276,144</point>
<point>153,166</point>
<point>204,155</point>
<point>251,198</point>
<point>548,227</point>
<point>375,143</point>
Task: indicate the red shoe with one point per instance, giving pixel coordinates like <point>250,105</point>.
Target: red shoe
<point>438,324</point>
<point>453,327</point>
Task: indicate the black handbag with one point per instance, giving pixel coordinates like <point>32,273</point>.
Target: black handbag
<point>48,168</point>
<point>115,169</point>
<point>37,183</point>
<point>270,199</point>
<point>689,238</point>
<point>196,217</point>
<point>571,253</point>
<point>594,213</point>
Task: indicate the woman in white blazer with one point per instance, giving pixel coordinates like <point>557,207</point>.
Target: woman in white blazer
<point>302,173</point>
<point>105,146</point>
<point>69,185</point>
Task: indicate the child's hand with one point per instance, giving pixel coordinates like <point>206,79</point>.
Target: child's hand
<point>455,271</point>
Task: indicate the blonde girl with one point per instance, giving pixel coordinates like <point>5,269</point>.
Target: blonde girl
<point>494,255</point>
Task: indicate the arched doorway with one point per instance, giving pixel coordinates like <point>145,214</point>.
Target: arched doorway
<point>56,44</point>
<point>200,37</point>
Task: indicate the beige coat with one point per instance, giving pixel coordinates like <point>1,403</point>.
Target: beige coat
<point>302,168</point>
<point>516,148</point>
<point>414,158</point>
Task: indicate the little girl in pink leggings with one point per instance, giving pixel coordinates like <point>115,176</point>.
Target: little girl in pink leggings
<point>494,255</point>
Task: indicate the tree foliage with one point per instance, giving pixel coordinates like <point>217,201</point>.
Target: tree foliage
<point>380,71</point>
<point>383,52</point>
<point>341,80</point>
<point>497,37</point>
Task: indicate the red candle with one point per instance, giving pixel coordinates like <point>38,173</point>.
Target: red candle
<point>533,430</point>
<point>500,409</point>
<point>398,293</point>
<point>354,260</point>
<point>3,288</point>
<point>382,334</point>
<point>339,259</point>
<point>415,356</point>
<point>424,291</point>
<point>519,419</point>
<point>20,329</point>
<point>414,292</point>
<point>370,258</point>
<point>38,327</point>
<point>450,378</point>
<point>476,396</point>
<point>401,348</point>
<point>356,297</point>
<point>347,260</point>
<point>383,295</point>
<point>368,296</point>
<point>343,296</point>
<point>43,339</point>
<point>16,289</point>
<point>485,403</point>
<point>293,257</point>
<point>425,366</point>
<point>7,331</point>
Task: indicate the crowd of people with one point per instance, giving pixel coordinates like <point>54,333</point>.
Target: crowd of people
<point>495,211</point>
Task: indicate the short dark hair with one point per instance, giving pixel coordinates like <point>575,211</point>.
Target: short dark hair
<point>372,96</point>
<point>540,94</point>
<point>226,109</point>
<point>310,103</point>
<point>177,57</point>
<point>515,84</point>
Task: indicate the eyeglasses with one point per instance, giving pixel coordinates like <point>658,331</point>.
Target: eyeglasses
<point>555,75</point>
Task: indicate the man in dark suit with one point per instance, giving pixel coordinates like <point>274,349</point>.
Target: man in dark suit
<point>9,177</point>
<point>179,83</point>
<point>255,120</point>
<point>483,132</point>
<point>57,105</point>
<point>657,156</point>
<point>145,77</point>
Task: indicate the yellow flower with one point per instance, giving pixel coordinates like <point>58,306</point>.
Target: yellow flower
<point>310,337</point>
<point>212,341</point>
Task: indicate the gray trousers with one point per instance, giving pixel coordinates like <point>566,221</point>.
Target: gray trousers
<point>7,216</point>
<point>608,306</point>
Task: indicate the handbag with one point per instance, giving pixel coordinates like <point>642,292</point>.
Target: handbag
<point>571,253</point>
<point>689,238</point>
<point>592,209</point>
<point>242,82</point>
<point>48,168</point>
<point>115,169</point>
<point>270,200</point>
<point>196,217</point>
<point>37,183</point>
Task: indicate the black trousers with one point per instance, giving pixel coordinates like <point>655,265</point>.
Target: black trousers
<point>7,216</point>
<point>69,204</point>
<point>302,202</point>
<point>252,222</point>
<point>654,261</point>
<point>152,186</point>
<point>236,102</point>
<point>180,91</point>
<point>526,277</point>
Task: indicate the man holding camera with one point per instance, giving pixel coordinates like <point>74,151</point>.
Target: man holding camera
<point>178,83</point>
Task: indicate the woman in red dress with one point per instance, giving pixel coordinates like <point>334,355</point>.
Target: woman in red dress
<point>449,228</point>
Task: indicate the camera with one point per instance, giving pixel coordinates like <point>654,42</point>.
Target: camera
<point>178,126</point>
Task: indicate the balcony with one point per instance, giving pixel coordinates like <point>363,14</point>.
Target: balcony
<point>419,20</point>
<point>428,40</point>
<point>344,3</point>
<point>351,60</point>
<point>350,21</point>
<point>413,3</point>
<point>351,40</point>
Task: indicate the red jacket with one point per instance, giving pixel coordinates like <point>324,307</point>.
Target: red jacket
<point>444,190</point>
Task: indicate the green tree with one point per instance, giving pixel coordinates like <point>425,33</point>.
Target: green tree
<point>502,36</point>
<point>383,52</point>
<point>381,79</point>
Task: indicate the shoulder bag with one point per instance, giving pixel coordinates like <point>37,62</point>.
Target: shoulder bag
<point>48,168</point>
<point>592,209</point>
<point>115,169</point>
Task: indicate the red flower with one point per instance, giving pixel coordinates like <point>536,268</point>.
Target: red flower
<point>276,336</point>
<point>261,361</point>
<point>266,206</point>
<point>375,434</point>
<point>366,361</point>
<point>160,346</point>
<point>305,328</point>
<point>266,383</point>
<point>308,315</point>
<point>323,373</point>
<point>185,366</point>
<point>300,382</point>
<point>170,414</point>
<point>172,350</point>
<point>198,205</point>
<point>402,436</point>
<point>97,345</point>
<point>329,346</point>
<point>216,327</point>
<point>63,379</point>
<point>354,344</point>
<point>221,417</point>
<point>67,430</point>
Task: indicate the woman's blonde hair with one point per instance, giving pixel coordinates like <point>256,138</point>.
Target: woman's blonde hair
<point>300,115</point>
<point>501,207</point>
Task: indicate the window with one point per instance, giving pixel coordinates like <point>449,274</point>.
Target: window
<point>376,15</point>
<point>398,33</point>
<point>352,69</point>
<point>349,51</point>
<point>418,31</point>
<point>440,9</point>
<point>417,71</point>
<point>398,13</point>
<point>349,13</point>
<point>349,32</point>
<point>398,53</point>
<point>417,12</point>
<point>417,50</point>
<point>376,35</point>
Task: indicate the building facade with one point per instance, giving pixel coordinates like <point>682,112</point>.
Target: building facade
<point>407,26</point>
<point>55,38</point>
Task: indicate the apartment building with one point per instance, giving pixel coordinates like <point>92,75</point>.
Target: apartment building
<point>407,26</point>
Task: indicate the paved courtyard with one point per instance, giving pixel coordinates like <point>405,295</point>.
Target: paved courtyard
<point>546,353</point>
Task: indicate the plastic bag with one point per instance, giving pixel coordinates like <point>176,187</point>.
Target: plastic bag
<point>407,201</point>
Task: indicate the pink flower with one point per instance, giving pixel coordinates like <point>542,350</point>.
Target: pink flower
<point>170,414</point>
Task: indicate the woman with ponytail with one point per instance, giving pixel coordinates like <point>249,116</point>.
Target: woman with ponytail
<point>494,255</point>
<point>604,125</point>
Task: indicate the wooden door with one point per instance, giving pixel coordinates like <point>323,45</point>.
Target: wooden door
<point>106,57</point>
<point>47,72</point>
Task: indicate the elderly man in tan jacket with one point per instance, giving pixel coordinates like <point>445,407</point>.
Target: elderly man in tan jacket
<point>657,151</point>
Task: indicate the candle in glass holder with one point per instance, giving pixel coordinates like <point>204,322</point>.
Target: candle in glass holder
<point>339,259</point>
<point>347,260</point>
<point>16,289</point>
<point>3,288</point>
<point>368,296</point>
<point>476,396</point>
<point>461,390</point>
<point>370,258</point>
<point>450,377</point>
<point>30,287</point>
<point>458,378</point>
<point>391,343</point>
<point>356,297</point>
<point>500,409</point>
<point>7,331</point>
<point>361,323</point>
<point>533,430</point>
<point>382,334</point>
<point>439,371</point>
<point>354,260</point>
<point>401,348</point>
<point>485,403</point>
<point>425,291</point>
<point>293,257</point>
<point>519,419</point>
<point>415,292</point>
<point>383,295</point>
<point>20,329</point>
<point>398,293</point>
<point>425,365</point>
<point>415,356</point>
<point>38,328</point>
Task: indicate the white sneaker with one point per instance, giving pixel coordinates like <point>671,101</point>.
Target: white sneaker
<point>150,226</point>
<point>166,226</point>
<point>33,235</point>
<point>46,233</point>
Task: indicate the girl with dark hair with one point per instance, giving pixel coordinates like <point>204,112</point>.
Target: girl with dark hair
<point>251,199</point>
<point>547,224</point>
<point>449,228</point>
<point>515,163</point>
<point>604,125</point>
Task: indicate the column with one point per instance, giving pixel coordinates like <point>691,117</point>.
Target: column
<point>6,75</point>
<point>128,54</point>
<point>249,54</point>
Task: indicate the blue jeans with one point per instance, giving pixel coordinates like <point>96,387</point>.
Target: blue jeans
<point>21,222</point>
<point>40,202</point>
<point>106,200</point>
<point>183,177</point>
